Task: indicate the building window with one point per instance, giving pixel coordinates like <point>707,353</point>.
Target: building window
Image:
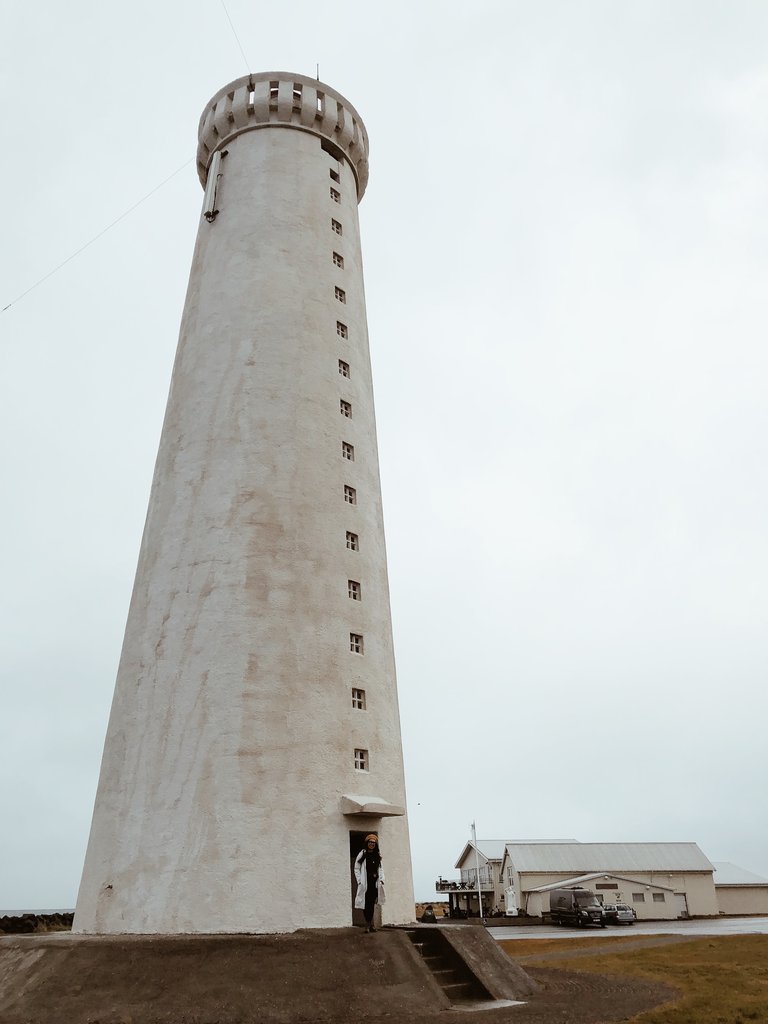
<point>345,408</point>
<point>353,541</point>
<point>361,760</point>
<point>356,643</point>
<point>658,897</point>
<point>296,96</point>
<point>335,195</point>
<point>273,86</point>
<point>340,294</point>
<point>638,897</point>
<point>347,451</point>
<point>334,175</point>
<point>341,329</point>
<point>321,103</point>
<point>343,368</point>
<point>353,590</point>
<point>336,226</point>
<point>350,495</point>
<point>358,699</point>
<point>338,261</point>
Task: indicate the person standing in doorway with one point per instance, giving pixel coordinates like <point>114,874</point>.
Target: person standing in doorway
<point>369,875</point>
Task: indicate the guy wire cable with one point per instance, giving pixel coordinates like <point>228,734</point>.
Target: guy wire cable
<point>95,237</point>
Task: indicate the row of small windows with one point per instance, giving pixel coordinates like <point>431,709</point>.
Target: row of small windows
<point>354,589</point>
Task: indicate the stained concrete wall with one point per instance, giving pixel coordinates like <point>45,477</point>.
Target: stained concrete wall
<point>232,734</point>
<point>331,976</point>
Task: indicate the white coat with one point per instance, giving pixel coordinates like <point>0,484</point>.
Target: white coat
<point>361,876</point>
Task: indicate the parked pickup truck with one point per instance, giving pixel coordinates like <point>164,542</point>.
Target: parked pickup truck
<point>575,906</point>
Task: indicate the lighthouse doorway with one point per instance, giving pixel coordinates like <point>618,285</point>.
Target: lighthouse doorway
<point>356,844</point>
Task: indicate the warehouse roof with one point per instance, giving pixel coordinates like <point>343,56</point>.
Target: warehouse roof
<point>490,849</point>
<point>493,849</point>
<point>731,874</point>
<point>579,858</point>
<point>568,883</point>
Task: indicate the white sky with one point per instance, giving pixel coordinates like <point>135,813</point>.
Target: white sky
<point>565,243</point>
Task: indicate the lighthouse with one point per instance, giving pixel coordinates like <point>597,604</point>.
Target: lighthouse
<point>254,736</point>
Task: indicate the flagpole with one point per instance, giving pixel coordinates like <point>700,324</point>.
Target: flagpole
<point>477,872</point>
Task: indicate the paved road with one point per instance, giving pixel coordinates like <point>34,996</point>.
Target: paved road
<point>716,926</point>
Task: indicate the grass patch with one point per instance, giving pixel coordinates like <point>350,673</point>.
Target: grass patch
<point>723,980</point>
<point>528,947</point>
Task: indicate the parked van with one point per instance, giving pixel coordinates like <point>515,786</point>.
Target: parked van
<point>575,906</point>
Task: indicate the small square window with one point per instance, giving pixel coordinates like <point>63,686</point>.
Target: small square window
<point>340,294</point>
<point>350,495</point>
<point>341,329</point>
<point>347,451</point>
<point>353,541</point>
<point>658,897</point>
<point>338,261</point>
<point>335,195</point>
<point>353,590</point>
<point>334,175</point>
<point>343,368</point>
<point>336,226</point>
<point>345,408</point>
<point>358,699</point>
<point>361,760</point>
<point>356,643</point>
<point>638,897</point>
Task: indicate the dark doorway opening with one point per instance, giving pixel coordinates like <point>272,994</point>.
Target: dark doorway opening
<point>356,843</point>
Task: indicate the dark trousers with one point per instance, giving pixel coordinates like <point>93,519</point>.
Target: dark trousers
<point>370,903</point>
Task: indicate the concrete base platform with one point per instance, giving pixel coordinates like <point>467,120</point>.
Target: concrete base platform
<point>336,975</point>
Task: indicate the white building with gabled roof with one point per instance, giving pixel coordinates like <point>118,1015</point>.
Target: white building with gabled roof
<point>462,892</point>
<point>485,859</point>
<point>658,880</point>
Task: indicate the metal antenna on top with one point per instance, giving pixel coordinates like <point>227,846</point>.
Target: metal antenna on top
<point>318,71</point>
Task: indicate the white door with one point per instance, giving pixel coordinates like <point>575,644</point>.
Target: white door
<point>682,904</point>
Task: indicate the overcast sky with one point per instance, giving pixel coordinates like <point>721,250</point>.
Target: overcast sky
<point>565,249</point>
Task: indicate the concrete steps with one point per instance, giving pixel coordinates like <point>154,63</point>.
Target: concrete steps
<point>448,968</point>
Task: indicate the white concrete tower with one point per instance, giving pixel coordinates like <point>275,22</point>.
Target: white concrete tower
<point>254,734</point>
